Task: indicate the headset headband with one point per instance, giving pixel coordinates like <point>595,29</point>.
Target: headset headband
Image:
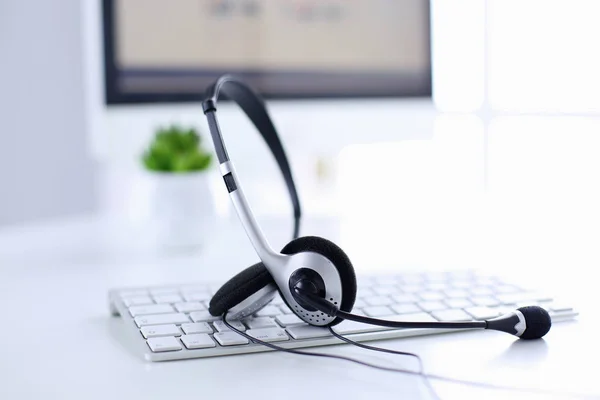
<point>255,109</point>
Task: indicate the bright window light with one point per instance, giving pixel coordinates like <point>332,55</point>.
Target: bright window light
<point>458,53</point>
<point>543,56</point>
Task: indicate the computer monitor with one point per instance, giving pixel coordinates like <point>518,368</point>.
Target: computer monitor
<point>169,51</point>
<point>334,73</point>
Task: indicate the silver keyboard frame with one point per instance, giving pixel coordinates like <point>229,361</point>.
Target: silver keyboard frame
<point>118,308</point>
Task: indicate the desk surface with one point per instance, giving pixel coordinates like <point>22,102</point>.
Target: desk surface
<point>528,210</point>
<point>60,342</point>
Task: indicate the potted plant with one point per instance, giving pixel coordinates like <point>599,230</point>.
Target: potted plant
<point>182,203</point>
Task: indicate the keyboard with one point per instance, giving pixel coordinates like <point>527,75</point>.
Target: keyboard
<point>173,322</point>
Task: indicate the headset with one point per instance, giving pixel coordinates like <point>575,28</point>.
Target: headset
<point>314,276</point>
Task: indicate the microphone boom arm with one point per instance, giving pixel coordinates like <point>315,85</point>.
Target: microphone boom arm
<point>530,322</point>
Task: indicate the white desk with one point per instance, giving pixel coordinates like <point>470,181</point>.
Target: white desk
<point>59,341</point>
<point>529,210</point>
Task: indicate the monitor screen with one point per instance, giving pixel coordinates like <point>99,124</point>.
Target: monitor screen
<point>170,51</point>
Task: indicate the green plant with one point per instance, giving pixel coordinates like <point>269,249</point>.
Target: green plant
<point>176,149</point>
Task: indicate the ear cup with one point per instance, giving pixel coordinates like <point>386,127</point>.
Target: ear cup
<point>256,277</point>
<point>338,258</point>
<point>239,288</point>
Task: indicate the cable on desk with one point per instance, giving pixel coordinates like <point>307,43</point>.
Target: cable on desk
<point>396,352</point>
<point>400,370</point>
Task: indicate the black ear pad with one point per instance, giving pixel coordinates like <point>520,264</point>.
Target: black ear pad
<point>254,278</point>
<point>338,258</point>
<point>239,288</point>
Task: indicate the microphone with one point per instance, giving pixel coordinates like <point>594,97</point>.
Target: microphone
<point>530,322</point>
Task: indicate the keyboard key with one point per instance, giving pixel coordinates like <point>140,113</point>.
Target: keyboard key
<point>412,279</point>
<point>197,296</point>
<point>221,327</point>
<point>197,327</point>
<point>161,291</point>
<point>487,301</point>
<point>198,341</point>
<point>378,311</point>
<point>414,317</point>
<point>359,303</point>
<point>506,289</point>
<point>538,297</point>
<point>522,297</point>
<point>200,316</point>
<point>456,293</point>
<point>389,280</point>
<point>482,312</point>
<point>384,290</point>
<point>161,319</point>
<point>194,288</point>
<point>285,309</point>
<point>364,280</point>
<point>277,301</point>
<point>481,291</point>
<point>436,277</point>
<point>364,292</point>
<point>160,330</point>
<point>150,309</point>
<point>436,287</point>
<point>405,308</point>
<point>458,303</point>
<point>167,298</point>
<point>133,293</point>
<point>260,322</point>
<point>168,343</point>
<point>269,334</point>
<point>405,298</point>
<point>485,281</point>
<point>558,307</point>
<point>189,306</point>
<point>431,296</point>
<point>308,331</point>
<point>137,301</point>
<point>503,309</point>
<point>230,338</point>
<point>451,315</point>
<point>289,320</point>
<point>269,311</point>
<point>461,284</point>
<point>412,288</point>
<point>432,305</point>
<point>460,274</point>
<point>378,300</point>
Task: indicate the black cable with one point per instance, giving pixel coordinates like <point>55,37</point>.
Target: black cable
<point>296,231</point>
<point>453,380</point>
<point>401,370</point>
<point>406,324</point>
<point>328,308</point>
<point>396,352</point>
<point>309,353</point>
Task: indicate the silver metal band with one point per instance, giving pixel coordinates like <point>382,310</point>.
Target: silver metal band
<point>521,326</point>
<point>271,259</point>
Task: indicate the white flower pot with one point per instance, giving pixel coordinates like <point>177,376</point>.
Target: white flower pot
<point>181,208</point>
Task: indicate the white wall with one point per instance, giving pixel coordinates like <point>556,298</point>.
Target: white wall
<point>45,168</point>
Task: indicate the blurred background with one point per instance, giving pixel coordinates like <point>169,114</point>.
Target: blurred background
<point>459,131</point>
